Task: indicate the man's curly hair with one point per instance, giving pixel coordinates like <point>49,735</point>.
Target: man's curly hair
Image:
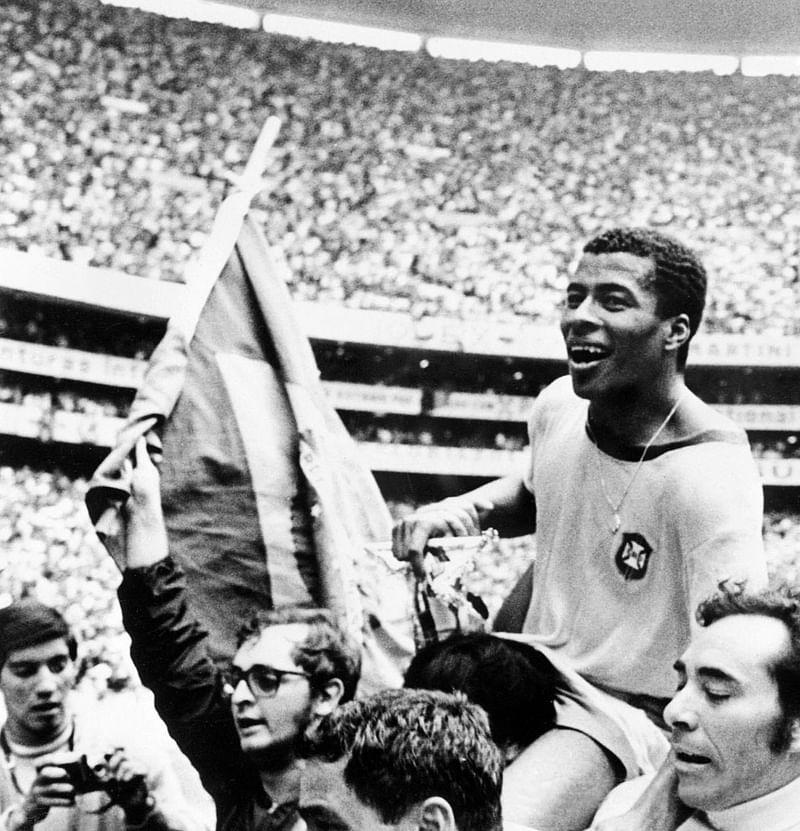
<point>327,652</point>
<point>405,746</point>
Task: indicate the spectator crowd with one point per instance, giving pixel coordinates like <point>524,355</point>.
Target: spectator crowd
<point>398,181</point>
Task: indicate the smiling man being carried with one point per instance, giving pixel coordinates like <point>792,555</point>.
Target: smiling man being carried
<point>643,499</point>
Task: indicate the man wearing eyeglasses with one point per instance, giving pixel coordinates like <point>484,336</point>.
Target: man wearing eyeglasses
<point>239,728</point>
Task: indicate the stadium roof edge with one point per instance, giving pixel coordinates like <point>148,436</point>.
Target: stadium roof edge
<point>737,27</point>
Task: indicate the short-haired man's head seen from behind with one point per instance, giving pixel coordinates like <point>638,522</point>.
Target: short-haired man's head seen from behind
<point>399,750</point>
<point>512,681</point>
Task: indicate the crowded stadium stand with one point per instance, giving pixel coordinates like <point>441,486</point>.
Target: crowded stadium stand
<point>427,210</point>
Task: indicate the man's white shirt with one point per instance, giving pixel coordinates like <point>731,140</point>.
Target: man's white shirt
<point>778,810</point>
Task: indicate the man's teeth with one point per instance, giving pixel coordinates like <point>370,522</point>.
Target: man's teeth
<point>586,354</point>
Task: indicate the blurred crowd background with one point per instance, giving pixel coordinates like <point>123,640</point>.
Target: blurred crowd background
<point>398,182</point>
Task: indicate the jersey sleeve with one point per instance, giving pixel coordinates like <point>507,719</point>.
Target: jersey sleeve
<point>724,522</point>
<point>544,407</point>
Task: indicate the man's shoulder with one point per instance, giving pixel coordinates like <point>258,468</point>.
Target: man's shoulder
<point>557,397</point>
<point>622,798</point>
<point>712,425</point>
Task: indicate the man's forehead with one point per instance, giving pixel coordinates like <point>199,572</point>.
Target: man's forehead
<point>274,644</point>
<point>38,652</point>
<point>738,645</point>
<point>620,264</point>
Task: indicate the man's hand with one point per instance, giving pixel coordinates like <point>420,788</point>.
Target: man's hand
<point>125,781</point>
<point>145,531</point>
<point>51,788</point>
<point>454,517</point>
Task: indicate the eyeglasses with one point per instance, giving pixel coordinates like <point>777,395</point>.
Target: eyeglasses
<point>261,680</point>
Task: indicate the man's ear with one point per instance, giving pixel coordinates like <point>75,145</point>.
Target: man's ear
<point>326,699</point>
<point>436,815</point>
<point>678,333</point>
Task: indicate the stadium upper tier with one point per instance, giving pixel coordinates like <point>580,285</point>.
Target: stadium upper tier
<point>399,182</point>
<point>102,298</point>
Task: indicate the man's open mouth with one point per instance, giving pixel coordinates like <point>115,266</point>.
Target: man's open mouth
<point>584,354</point>
<point>691,758</point>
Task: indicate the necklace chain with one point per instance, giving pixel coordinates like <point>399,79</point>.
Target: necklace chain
<point>616,520</point>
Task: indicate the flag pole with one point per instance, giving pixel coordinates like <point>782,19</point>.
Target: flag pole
<point>203,273</point>
<point>250,179</point>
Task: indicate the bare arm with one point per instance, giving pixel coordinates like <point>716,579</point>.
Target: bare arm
<point>504,504</point>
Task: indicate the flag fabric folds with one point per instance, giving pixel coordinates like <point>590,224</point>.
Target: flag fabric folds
<point>266,501</point>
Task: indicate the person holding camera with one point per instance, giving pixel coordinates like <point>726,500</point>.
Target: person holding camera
<point>58,773</point>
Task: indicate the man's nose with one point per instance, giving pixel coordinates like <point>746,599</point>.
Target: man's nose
<point>681,712</point>
<point>241,693</point>
<point>47,682</point>
<point>584,312</point>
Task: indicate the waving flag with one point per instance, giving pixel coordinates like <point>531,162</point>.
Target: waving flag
<point>266,501</point>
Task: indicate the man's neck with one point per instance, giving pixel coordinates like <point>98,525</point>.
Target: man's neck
<point>282,784</point>
<point>633,417</point>
<point>16,737</point>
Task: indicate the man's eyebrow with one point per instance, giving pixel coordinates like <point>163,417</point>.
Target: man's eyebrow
<point>707,673</point>
<point>608,285</point>
<point>716,674</point>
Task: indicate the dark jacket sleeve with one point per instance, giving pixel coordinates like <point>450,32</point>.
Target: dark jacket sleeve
<point>170,650</point>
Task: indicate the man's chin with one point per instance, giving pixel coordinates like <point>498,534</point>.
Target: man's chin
<point>582,387</point>
<point>49,722</point>
<point>270,755</point>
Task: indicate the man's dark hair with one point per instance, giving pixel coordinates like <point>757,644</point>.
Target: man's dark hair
<point>326,653</point>
<point>27,622</point>
<point>782,603</point>
<point>406,746</point>
<point>512,681</point>
<point>679,279</point>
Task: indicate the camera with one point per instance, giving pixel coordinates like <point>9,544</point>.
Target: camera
<point>85,777</point>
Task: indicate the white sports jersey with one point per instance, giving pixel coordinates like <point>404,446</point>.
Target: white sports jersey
<point>618,604</point>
